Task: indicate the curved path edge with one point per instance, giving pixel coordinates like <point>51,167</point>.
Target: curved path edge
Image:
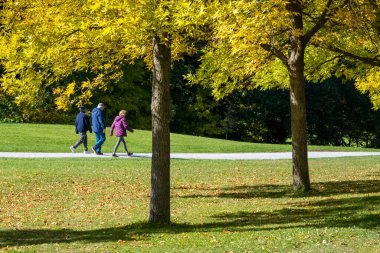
<point>200,156</point>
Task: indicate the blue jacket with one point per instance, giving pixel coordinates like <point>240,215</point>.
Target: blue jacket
<point>82,123</point>
<point>98,120</point>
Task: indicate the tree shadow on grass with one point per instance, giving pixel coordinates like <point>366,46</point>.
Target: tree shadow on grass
<point>280,191</point>
<point>132,232</point>
<point>347,212</point>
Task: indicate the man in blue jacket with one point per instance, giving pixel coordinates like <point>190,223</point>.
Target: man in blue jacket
<point>99,128</point>
<point>82,125</point>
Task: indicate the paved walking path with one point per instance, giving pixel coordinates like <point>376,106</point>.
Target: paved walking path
<point>202,156</point>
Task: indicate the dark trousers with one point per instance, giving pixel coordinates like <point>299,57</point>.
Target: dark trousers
<point>83,139</point>
<point>120,139</point>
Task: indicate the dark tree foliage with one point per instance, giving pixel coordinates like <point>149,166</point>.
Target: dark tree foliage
<point>338,114</point>
<point>9,112</point>
<point>259,116</point>
<point>132,93</point>
<point>193,109</point>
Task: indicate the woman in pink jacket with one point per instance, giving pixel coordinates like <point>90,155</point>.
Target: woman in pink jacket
<point>120,125</point>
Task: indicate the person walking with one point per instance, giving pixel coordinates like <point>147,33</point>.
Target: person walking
<point>82,125</point>
<point>99,128</point>
<point>120,125</point>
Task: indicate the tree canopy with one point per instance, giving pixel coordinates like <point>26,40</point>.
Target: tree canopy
<point>43,42</point>
<point>251,42</point>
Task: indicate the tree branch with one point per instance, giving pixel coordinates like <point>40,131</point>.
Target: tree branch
<point>374,61</point>
<point>323,18</point>
<point>320,23</point>
<point>65,36</point>
<point>276,52</point>
<point>315,69</point>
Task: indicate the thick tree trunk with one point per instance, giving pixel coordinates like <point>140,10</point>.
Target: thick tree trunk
<point>160,171</point>
<point>301,180</point>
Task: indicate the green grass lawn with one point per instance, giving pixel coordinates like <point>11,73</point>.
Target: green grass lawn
<point>97,205</point>
<point>58,138</point>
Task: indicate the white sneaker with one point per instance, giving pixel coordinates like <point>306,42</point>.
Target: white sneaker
<point>86,152</point>
<point>72,149</point>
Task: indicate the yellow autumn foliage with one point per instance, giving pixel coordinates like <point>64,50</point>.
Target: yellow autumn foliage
<point>370,83</point>
<point>249,37</point>
<point>43,42</point>
<point>60,37</point>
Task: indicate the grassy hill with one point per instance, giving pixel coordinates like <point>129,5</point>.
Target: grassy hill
<point>58,138</point>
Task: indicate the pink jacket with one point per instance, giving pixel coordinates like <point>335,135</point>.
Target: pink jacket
<point>120,125</point>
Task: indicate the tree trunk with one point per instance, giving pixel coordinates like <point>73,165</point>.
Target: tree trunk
<point>296,54</point>
<point>160,170</point>
<point>301,180</point>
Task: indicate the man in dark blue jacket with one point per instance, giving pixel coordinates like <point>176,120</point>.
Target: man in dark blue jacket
<point>82,125</point>
<point>99,128</point>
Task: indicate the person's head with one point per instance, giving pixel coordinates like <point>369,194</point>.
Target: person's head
<point>101,106</point>
<point>122,113</point>
<point>81,109</point>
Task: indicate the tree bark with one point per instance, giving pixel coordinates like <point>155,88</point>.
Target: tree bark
<point>296,63</point>
<point>160,169</point>
<point>301,180</point>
